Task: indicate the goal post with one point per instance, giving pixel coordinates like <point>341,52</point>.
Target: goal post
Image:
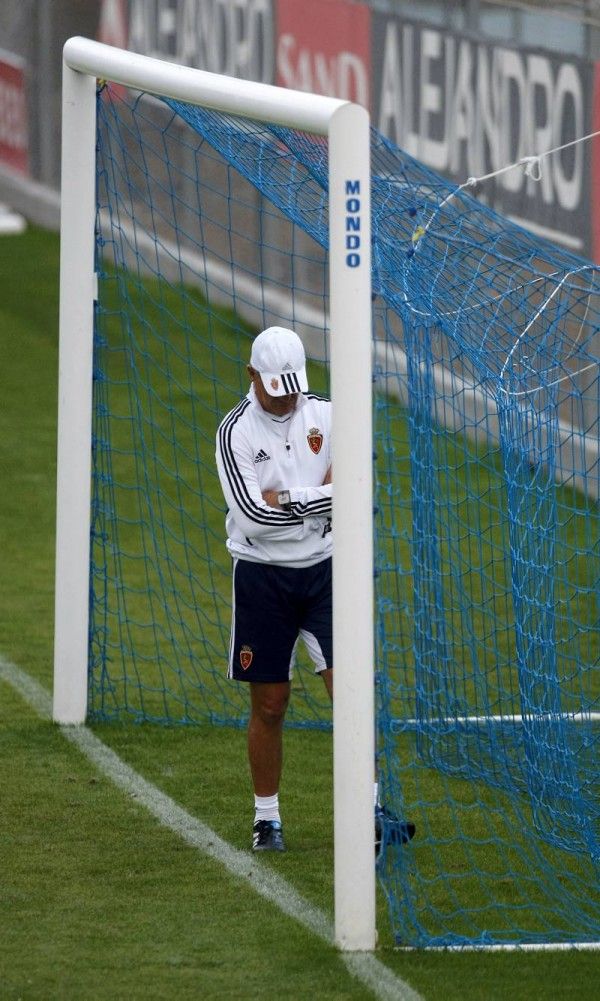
<point>346,128</point>
<point>76,323</point>
<point>188,227</point>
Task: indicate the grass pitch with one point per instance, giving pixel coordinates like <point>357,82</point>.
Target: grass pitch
<point>96,900</point>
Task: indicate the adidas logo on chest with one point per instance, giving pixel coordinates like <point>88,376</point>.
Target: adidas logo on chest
<point>261,456</point>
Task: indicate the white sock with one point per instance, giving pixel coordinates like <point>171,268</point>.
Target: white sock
<point>266,808</point>
<point>375,794</point>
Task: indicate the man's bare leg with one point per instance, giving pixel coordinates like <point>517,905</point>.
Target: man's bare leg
<point>269,701</point>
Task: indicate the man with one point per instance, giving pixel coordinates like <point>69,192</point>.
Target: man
<point>274,463</point>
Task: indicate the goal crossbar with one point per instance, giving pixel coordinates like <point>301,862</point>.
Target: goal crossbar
<point>346,127</point>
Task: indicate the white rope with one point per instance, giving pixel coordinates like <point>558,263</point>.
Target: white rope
<point>532,165</point>
<point>585,267</point>
<point>533,169</point>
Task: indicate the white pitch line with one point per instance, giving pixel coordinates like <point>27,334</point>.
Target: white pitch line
<point>364,966</point>
<point>509,719</point>
<point>508,947</point>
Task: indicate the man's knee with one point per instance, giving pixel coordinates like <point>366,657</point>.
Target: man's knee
<point>270,702</point>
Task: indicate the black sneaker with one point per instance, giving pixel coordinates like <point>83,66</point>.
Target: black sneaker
<point>267,836</point>
<point>398,832</point>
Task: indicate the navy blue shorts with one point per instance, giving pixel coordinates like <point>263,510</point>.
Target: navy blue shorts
<point>273,607</point>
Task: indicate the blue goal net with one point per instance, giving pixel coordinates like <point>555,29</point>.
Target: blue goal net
<point>486,403</point>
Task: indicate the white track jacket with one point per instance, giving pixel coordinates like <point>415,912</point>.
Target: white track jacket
<point>257,451</point>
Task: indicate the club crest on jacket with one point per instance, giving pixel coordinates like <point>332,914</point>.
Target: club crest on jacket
<point>315,440</point>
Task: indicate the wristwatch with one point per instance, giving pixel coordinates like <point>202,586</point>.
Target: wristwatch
<point>284,500</point>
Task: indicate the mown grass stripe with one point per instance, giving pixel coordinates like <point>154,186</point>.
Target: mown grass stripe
<point>365,967</point>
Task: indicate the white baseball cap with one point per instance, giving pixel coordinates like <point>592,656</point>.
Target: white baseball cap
<point>278,356</point>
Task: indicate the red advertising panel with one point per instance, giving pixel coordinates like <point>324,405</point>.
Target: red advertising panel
<point>14,139</point>
<point>112,23</point>
<point>113,30</point>
<point>324,46</point>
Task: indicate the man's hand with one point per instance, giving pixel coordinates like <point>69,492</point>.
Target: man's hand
<point>270,498</point>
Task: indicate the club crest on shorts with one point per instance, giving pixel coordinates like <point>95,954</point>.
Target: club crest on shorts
<point>246,655</point>
<point>315,440</point>
<point>274,383</point>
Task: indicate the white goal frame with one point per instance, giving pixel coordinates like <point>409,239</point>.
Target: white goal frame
<point>346,127</point>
